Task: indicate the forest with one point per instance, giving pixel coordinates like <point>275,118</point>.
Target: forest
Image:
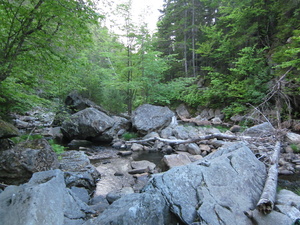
<point>227,54</point>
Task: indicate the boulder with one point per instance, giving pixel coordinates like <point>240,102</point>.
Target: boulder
<point>19,163</point>
<point>43,200</point>
<point>215,190</point>
<point>120,125</point>
<point>86,124</point>
<point>136,208</point>
<point>260,130</point>
<point>7,130</point>
<point>76,103</point>
<point>79,172</point>
<point>147,118</point>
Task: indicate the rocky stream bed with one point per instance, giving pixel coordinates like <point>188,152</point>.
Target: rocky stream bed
<point>177,171</point>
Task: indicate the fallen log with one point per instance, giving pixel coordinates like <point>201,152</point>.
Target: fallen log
<point>193,140</point>
<point>266,202</point>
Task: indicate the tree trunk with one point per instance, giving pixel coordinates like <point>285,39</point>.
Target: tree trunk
<point>267,200</point>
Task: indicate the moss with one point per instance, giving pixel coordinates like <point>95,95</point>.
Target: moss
<point>7,130</point>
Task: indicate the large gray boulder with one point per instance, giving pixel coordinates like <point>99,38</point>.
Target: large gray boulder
<point>19,163</point>
<point>144,208</point>
<point>43,200</point>
<point>215,190</point>
<point>86,124</point>
<point>147,118</point>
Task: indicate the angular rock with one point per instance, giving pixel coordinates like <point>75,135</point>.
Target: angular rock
<point>86,124</point>
<point>147,118</point>
<point>176,160</point>
<point>99,204</point>
<point>180,132</point>
<point>193,149</point>
<point>217,191</point>
<point>151,135</point>
<point>216,121</point>
<point>79,172</point>
<point>181,147</point>
<point>182,112</point>
<point>81,193</point>
<point>235,128</point>
<point>19,163</point>
<point>115,195</point>
<point>167,132</point>
<point>137,147</point>
<point>7,130</point>
<point>76,103</point>
<point>144,208</point>
<point>120,126</point>
<point>43,200</point>
<point>260,130</point>
<point>143,164</point>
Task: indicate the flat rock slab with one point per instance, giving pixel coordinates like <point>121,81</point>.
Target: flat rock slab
<point>110,176</point>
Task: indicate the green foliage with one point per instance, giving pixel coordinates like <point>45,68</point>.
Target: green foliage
<point>129,135</point>
<point>26,137</point>
<point>58,149</point>
<point>38,41</point>
<point>295,148</point>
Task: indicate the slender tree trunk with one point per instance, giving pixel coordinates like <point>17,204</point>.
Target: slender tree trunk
<point>185,44</point>
<point>193,39</point>
<point>129,79</point>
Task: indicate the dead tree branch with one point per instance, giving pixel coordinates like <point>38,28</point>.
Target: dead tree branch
<point>193,140</point>
<point>266,202</point>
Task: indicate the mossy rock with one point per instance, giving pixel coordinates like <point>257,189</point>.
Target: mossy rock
<point>8,130</point>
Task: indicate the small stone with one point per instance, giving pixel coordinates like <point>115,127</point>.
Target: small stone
<point>216,121</point>
<point>204,148</point>
<point>176,160</point>
<point>125,153</point>
<point>137,147</point>
<point>118,174</point>
<point>235,128</point>
<point>193,149</point>
<point>182,147</point>
<point>288,149</point>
